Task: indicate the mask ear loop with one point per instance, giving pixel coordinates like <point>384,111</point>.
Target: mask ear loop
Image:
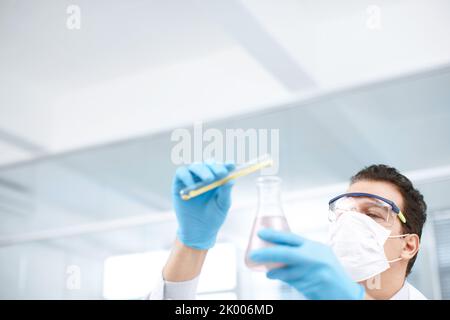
<point>400,235</point>
<point>397,237</point>
<point>395,260</point>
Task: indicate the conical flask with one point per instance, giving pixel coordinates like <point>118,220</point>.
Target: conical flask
<point>269,215</point>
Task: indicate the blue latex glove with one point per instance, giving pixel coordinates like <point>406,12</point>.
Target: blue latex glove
<point>200,218</point>
<point>310,267</point>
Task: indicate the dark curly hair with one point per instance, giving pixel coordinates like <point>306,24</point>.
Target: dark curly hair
<point>415,206</point>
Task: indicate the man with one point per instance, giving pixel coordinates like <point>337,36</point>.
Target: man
<point>374,239</point>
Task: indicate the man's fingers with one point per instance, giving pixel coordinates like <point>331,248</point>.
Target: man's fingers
<point>183,178</point>
<point>282,254</point>
<point>202,172</point>
<point>280,237</point>
<point>223,196</point>
<point>219,170</point>
<point>285,273</point>
<point>230,166</point>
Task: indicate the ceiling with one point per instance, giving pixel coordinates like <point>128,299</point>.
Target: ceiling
<point>141,67</point>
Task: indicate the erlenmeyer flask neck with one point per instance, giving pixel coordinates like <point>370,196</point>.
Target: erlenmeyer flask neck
<point>269,196</point>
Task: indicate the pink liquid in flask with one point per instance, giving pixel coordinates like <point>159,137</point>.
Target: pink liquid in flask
<point>269,215</point>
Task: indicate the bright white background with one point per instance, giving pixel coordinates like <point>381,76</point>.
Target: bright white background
<point>86,116</point>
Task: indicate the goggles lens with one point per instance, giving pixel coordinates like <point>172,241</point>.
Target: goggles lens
<point>377,210</point>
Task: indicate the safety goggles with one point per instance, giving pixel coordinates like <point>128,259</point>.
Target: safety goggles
<point>381,210</point>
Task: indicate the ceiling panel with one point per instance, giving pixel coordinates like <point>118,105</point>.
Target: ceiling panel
<point>139,67</point>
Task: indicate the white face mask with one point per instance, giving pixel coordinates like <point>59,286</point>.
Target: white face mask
<point>358,242</point>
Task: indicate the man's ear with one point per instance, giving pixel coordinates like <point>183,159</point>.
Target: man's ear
<point>411,246</point>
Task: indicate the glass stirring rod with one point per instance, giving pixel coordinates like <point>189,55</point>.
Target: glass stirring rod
<point>241,171</point>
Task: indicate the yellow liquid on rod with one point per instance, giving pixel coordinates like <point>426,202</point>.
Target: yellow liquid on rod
<point>242,171</point>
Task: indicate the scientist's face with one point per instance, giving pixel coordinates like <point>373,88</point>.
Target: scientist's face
<point>385,190</point>
<point>404,248</point>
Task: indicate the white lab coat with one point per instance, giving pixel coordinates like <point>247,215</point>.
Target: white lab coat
<point>408,292</point>
<point>186,290</point>
<point>166,290</point>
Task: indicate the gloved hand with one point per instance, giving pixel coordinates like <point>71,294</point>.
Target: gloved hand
<point>200,218</point>
<point>309,266</point>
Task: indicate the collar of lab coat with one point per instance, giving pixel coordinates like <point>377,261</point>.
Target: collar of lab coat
<point>408,292</point>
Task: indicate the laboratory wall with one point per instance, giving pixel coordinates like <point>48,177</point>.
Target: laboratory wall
<point>95,95</point>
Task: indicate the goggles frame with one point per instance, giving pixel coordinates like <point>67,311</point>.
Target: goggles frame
<point>394,207</point>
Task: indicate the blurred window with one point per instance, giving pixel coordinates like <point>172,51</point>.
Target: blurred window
<point>133,276</point>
